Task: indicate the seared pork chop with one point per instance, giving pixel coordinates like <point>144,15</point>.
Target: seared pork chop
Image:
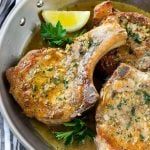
<point>123,115</point>
<point>55,85</point>
<point>136,52</point>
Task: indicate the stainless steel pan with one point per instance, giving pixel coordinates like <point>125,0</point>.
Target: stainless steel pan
<point>13,39</point>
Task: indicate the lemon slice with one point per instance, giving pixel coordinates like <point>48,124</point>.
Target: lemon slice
<point>70,20</point>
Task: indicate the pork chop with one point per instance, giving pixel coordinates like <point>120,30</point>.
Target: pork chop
<point>123,115</point>
<point>136,52</point>
<point>55,85</point>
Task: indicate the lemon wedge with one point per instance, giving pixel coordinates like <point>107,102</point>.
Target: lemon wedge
<point>70,20</point>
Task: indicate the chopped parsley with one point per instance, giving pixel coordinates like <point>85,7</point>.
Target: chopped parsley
<point>56,80</point>
<point>146,97</point>
<point>124,101</point>
<point>134,36</point>
<point>50,69</point>
<point>80,33</point>
<point>142,137</point>
<point>66,82</point>
<point>59,98</point>
<point>74,63</point>
<point>129,124</point>
<point>110,107</point>
<point>133,111</point>
<point>119,106</point>
<point>138,92</point>
<point>113,94</point>
<point>130,135</point>
<point>46,94</point>
<point>34,88</point>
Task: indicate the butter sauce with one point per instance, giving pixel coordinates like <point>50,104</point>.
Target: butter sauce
<point>35,43</point>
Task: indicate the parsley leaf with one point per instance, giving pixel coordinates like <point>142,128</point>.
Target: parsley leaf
<point>80,33</point>
<point>142,137</point>
<point>146,97</point>
<point>134,36</point>
<point>34,88</point>
<point>78,132</point>
<point>55,36</point>
<point>133,110</point>
<point>50,69</point>
<point>66,82</point>
<point>119,106</point>
<point>66,136</point>
<point>57,80</point>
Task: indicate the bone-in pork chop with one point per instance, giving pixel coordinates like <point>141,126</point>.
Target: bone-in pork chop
<point>123,115</point>
<point>55,85</point>
<point>136,52</point>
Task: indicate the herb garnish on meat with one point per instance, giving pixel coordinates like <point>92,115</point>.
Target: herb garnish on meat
<point>78,132</point>
<point>134,36</point>
<point>66,82</point>
<point>146,97</point>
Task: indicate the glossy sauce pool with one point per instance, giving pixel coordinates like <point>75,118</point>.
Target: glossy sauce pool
<point>45,132</point>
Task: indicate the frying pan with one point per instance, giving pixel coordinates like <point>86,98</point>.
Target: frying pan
<point>15,33</point>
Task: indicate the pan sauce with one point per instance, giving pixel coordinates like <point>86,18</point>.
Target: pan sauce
<point>35,43</point>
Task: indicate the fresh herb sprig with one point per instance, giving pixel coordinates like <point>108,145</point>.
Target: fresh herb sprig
<point>55,36</point>
<point>80,33</point>
<point>78,132</point>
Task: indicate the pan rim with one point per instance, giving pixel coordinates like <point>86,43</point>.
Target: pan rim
<point>2,107</point>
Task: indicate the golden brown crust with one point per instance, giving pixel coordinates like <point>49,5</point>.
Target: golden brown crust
<point>120,115</point>
<point>55,85</point>
<point>113,144</point>
<point>27,81</point>
<point>135,18</point>
<point>102,11</point>
<point>136,51</point>
<point>105,9</point>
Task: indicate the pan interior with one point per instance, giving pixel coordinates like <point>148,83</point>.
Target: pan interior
<point>15,41</point>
